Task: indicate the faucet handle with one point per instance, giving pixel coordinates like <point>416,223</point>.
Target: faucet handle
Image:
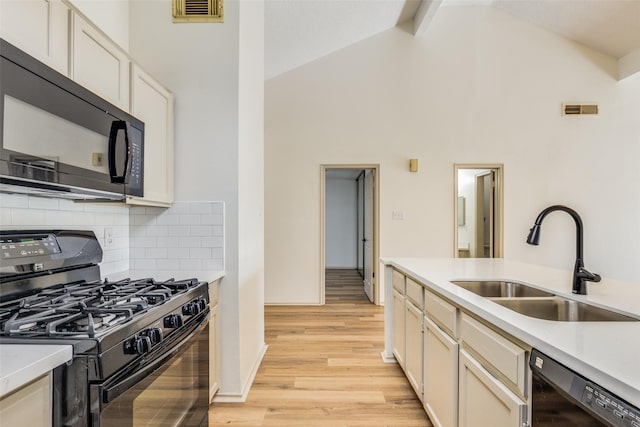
<point>585,274</point>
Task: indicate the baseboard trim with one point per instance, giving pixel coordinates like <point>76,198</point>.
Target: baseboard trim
<point>242,396</point>
<point>388,359</point>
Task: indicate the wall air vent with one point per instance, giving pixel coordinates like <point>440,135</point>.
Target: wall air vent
<point>573,109</point>
<point>198,11</point>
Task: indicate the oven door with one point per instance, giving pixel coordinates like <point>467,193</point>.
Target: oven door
<point>168,389</point>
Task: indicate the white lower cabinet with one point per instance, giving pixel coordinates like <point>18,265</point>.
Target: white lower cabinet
<point>413,346</point>
<point>30,405</point>
<point>398,327</point>
<point>440,375</point>
<point>484,400</point>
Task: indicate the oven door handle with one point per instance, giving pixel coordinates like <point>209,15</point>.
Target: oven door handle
<point>110,393</point>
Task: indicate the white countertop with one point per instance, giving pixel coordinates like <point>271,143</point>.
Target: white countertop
<point>20,364</point>
<point>608,353</point>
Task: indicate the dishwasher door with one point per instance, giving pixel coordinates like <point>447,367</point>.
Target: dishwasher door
<point>561,397</point>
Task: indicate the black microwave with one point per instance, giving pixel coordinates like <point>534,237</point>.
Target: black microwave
<point>58,139</point>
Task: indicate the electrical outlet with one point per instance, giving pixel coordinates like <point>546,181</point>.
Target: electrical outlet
<point>108,237</point>
<point>397,215</point>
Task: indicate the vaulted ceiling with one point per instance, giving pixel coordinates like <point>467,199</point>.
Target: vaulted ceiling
<point>300,31</point>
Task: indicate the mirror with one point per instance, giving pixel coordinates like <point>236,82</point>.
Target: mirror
<point>478,209</point>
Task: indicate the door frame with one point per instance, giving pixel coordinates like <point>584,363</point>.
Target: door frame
<point>377,298</point>
<point>498,251</point>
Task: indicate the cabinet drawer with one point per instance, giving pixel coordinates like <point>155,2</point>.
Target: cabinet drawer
<point>504,356</point>
<point>398,281</point>
<point>415,293</point>
<point>441,312</point>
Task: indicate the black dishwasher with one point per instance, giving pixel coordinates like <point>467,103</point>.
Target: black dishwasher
<point>562,397</point>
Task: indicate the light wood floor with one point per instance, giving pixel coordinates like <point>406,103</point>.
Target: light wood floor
<point>323,368</point>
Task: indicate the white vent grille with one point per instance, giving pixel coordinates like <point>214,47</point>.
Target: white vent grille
<point>198,11</point>
<point>578,109</point>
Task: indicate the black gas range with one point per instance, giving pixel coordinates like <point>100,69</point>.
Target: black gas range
<point>130,338</point>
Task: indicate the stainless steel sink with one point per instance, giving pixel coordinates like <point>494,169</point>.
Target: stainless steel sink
<point>562,309</point>
<point>501,289</point>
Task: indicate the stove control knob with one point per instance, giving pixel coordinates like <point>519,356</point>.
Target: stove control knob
<point>202,304</point>
<point>154,334</point>
<point>142,345</point>
<point>191,309</point>
<point>173,321</point>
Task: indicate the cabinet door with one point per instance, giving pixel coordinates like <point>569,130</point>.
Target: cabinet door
<point>214,354</point>
<point>153,104</point>
<point>484,400</point>
<point>40,28</point>
<point>398,327</point>
<point>413,346</point>
<point>440,375</point>
<point>99,64</point>
<point>29,406</point>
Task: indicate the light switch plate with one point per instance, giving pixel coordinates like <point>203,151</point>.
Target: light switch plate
<point>397,215</point>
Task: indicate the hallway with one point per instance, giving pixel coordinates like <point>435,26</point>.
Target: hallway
<point>323,367</point>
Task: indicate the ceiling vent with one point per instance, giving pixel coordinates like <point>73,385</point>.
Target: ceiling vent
<point>198,11</point>
<point>574,109</point>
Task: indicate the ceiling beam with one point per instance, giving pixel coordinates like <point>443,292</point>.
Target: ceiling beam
<point>425,13</point>
<point>629,64</point>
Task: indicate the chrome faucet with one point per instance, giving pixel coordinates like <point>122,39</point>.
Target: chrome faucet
<point>580,274</point>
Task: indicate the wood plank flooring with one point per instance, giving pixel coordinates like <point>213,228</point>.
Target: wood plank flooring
<point>323,368</point>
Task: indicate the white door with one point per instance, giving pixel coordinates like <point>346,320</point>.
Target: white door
<point>368,233</point>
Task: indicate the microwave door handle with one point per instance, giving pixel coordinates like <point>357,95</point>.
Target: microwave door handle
<point>116,127</point>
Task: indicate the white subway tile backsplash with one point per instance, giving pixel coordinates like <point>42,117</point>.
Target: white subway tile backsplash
<point>212,219</point>
<point>18,211</point>
<point>183,241</point>
<point>144,242</point>
<point>202,230</point>
<point>160,253</point>
<point>24,218</point>
<point>138,253</point>
<point>158,231</point>
<point>189,219</point>
<point>178,253</point>
<point>179,230</point>
<point>167,242</point>
<point>189,242</point>
<point>144,264</point>
<point>202,208</point>
<point>200,253</point>
<point>190,265</point>
<point>213,242</point>
<point>166,219</point>
<point>14,201</point>
<point>43,203</point>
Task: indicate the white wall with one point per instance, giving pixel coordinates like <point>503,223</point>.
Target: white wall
<point>22,212</point>
<point>341,223</point>
<point>479,87</point>
<point>216,74</point>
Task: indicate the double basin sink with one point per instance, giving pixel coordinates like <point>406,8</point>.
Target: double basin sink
<point>534,302</point>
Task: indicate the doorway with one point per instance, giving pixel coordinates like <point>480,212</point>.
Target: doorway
<point>478,210</point>
<point>349,225</point>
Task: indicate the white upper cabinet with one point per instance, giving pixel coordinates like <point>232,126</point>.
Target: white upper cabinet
<point>99,64</point>
<point>38,27</point>
<point>153,104</point>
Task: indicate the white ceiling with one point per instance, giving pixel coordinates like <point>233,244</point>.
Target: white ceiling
<point>339,173</point>
<point>300,31</point>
